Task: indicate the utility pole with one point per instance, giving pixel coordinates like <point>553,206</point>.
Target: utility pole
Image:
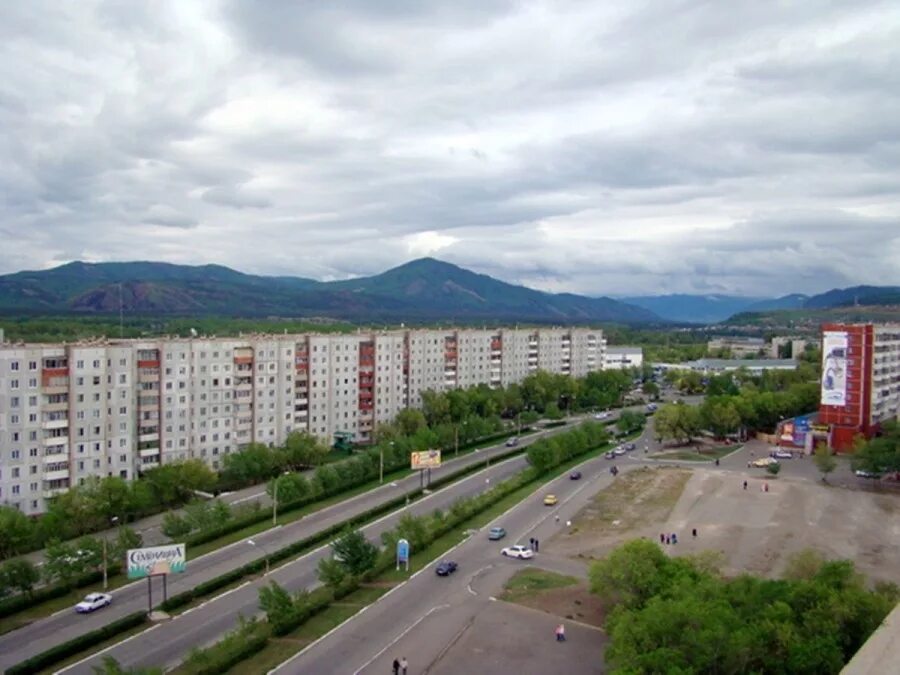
<point>113,521</point>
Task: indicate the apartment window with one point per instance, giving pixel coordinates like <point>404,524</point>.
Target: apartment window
<point>32,365</point>
<point>13,384</point>
<point>32,452</point>
<point>14,402</point>
<point>14,365</point>
<point>32,382</point>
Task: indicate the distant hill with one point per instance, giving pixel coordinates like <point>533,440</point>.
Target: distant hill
<point>793,301</point>
<point>857,295</point>
<point>425,289</point>
<point>703,309</point>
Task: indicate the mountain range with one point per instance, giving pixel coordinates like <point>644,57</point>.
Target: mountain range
<point>420,290</point>
<point>423,290</point>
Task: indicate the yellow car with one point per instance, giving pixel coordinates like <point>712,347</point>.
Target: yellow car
<point>550,500</point>
<point>762,462</point>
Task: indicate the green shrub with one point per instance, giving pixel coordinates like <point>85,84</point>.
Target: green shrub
<point>54,655</point>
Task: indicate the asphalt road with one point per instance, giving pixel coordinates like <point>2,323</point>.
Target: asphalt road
<point>40,635</point>
<point>167,643</point>
<point>422,618</point>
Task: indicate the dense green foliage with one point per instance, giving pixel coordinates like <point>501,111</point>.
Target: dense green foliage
<point>880,454</point>
<point>679,615</point>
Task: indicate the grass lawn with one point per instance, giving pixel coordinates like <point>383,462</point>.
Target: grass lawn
<point>531,580</point>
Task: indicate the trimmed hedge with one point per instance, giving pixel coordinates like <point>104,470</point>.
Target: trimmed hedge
<point>242,643</point>
<point>54,655</point>
<point>23,601</point>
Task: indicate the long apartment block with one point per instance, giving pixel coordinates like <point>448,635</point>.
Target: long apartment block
<point>118,407</point>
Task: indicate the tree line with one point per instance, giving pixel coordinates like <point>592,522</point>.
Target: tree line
<point>681,615</point>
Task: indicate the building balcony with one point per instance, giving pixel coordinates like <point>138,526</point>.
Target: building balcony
<point>56,457</point>
<point>51,389</point>
<point>55,407</point>
<point>149,452</point>
<point>301,400</point>
<point>55,440</point>
<point>58,474</point>
<point>147,438</point>
<point>55,424</point>
<point>53,492</point>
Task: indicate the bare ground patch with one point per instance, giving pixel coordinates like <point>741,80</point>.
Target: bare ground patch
<point>561,596</point>
<point>632,506</point>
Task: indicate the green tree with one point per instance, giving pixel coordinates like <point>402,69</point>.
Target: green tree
<point>630,420</point>
<point>175,525</point>
<point>356,553</point>
<point>126,539</point>
<point>650,389</point>
<point>825,461</point>
<point>631,575</point>
<point>720,416</point>
<point>18,574</point>
<point>880,454</point>
<point>64,563</point>
<point>253,464</point>
<point>16,532</point>
<point>332,572</point>
<point>279,607</point>
<point>302,450</point>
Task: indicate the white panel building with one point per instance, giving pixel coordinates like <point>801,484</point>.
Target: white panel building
<point>119,407</point>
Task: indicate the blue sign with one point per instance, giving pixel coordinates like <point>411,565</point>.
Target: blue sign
<point>403,551</point>
<point>801,429</point>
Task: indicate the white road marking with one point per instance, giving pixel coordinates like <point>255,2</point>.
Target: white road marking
<point>103,651</point>
<point>399,637</point>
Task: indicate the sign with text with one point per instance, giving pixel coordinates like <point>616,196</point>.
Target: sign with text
<point>402,553</point>
<point>834,368</point>
<point>145,562</point>
<point>429,459</point>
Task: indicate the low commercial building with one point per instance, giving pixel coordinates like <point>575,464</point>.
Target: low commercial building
<point>716,366</point>
<point>737,346</point>
<point>620,358</point>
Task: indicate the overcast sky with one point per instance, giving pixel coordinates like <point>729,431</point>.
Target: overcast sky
<point>602,148</point>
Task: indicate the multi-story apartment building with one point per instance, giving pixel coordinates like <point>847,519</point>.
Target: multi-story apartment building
<point>860,380</point>
<point>118,407</point>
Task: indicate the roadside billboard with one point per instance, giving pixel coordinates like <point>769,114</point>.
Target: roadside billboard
<point>834,368</point>
<point>429,459</point>
<point>145,562</point>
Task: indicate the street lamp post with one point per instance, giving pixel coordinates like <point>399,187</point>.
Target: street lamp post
<point>275,499</point>
<point>381,463</point>
<point>113,521</point>
<point>252,543</point>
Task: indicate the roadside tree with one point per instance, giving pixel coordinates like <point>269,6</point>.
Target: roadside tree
<point>16,532</point>
<point>18,575</point>
<point>354,552</point>
<point>825,461</point>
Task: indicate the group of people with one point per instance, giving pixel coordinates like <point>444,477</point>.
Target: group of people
<point>400,666</point>
<point>535,544</point>
<point>673,538</point>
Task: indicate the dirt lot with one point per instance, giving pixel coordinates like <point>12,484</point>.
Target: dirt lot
<point>756,531</point>
<point>561,596</point>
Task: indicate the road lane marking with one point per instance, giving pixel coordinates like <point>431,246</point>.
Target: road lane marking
<point>103,651</point>
<point>399,637</point>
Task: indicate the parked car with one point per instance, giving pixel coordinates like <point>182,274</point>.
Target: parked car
<point>610,455</point>
<point>512,442</point>
<point>630,446</point>
<point>783,454</point>
<point>575,475</point>
<point>93,601</point>
<point>550,500</point>
<point>601,415</point>
<point>518,551</point>
<point>762,462</point>
<point>867,474</point>
<point>496,533</point>
<point>651,407</point>
<point>620,450</point>
<point>445,568</point>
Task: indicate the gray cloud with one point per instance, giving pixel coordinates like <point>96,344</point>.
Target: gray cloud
<point>600,148</point>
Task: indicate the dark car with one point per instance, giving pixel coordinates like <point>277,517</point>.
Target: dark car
<point>630,446</point>
<point>445,568</point>
<point>575,475</point>
<point>610,455</point>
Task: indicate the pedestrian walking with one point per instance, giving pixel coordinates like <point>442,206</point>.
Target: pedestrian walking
<point>537,545</point>
<point>694,532</point>
<point>668,539</point>
<point>396,667</point>
<point>531,543</point>
<point>674,538</point>
<point>662,538</point>
<point>745,485</point>
<point>766,486</point>
<point>404,664</point>
<point>568,523</point>
<point>717,461</point>
<point>560,633</point>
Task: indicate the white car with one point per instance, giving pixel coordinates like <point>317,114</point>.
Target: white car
<point>601,415</point>
<point>783,454</point>
<point>518,551</point>
<point>93,601</point>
